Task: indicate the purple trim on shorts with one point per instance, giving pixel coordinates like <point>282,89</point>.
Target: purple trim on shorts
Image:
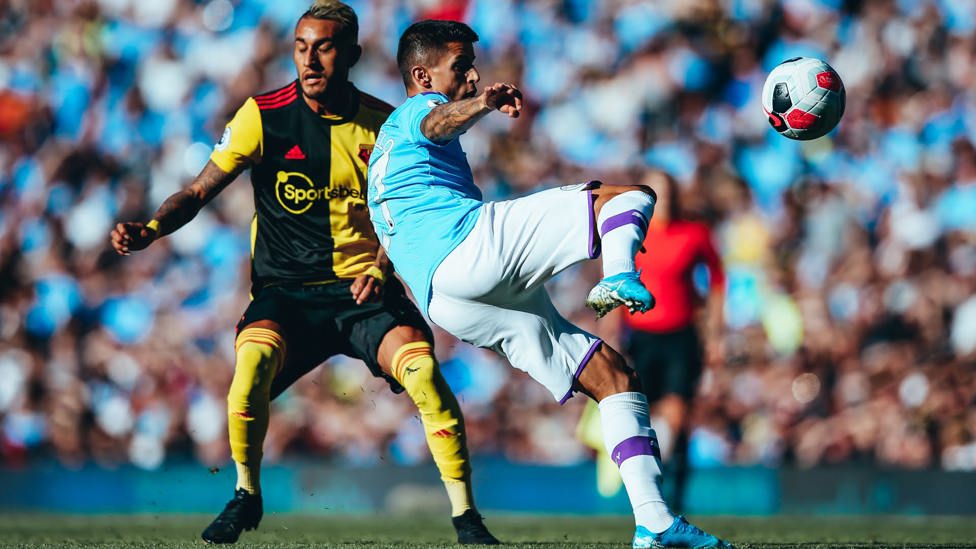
<point>594,250</point>
<point>634,217</point>
<point>635,446</point>
<point>579,369</point>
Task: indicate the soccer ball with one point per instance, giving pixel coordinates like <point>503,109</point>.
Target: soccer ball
<point>803,98</point>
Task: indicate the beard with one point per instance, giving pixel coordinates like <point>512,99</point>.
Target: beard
<point>315,91</point>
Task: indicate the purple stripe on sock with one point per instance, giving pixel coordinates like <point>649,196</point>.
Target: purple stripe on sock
<point>579,369</point>
<point>594,250</point>
<point>624,218</point>
<point>635,446</point>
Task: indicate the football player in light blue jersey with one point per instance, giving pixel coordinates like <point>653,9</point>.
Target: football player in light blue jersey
<point>436,206</point>
<point>478,269</point>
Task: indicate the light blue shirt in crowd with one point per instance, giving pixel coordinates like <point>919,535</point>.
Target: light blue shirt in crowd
<point>422,198</point>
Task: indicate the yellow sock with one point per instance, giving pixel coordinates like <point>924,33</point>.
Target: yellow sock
<point>260,353</point>
<point>416,369</point>
<point>249,477</point>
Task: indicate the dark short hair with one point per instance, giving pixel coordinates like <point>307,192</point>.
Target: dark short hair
<point>425,38</point>
<point>334,10</point>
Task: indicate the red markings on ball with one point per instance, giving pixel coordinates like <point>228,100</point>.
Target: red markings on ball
<point>828,80</point>
<point>800,120</point>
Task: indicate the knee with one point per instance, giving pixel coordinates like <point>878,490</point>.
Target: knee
<point>415,368</point>
<point>611,191</point>
<point>639,197</point>
<point>419,381</point>
<point>259,357</point>
<point>642,189</point>
<point>608,374</point>
<point>623,378</point>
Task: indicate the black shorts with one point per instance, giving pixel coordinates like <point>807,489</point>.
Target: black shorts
<point>667,363</point>
<point>321,321</point>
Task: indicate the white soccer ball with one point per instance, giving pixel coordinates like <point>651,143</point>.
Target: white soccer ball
<point>803,98</point>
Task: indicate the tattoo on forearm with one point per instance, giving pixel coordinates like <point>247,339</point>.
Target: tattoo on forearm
<point>447,121</point>
<point>181,207</point>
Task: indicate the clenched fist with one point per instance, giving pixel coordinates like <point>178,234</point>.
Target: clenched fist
<point>505,98</point>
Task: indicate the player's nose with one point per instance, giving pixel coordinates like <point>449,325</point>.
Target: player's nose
<point>473,75</point>
<point>310,60</point>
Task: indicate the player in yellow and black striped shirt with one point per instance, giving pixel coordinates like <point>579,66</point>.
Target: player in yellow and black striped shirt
<point>321,284</point>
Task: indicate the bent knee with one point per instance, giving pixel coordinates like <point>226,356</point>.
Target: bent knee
<point>622,378</point>
<point>609,191</point>
<point>608,374</point>
<point>646,189</point>
<point>414,367</point>
<point>418,376</point>
<point>259,357</point>
<point>606,193</point>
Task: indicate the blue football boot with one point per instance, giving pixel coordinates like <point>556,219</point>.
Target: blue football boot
<point>680,534</point>
<point>620,289</point>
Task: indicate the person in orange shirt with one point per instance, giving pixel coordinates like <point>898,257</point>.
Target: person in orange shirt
<point>664,342</point>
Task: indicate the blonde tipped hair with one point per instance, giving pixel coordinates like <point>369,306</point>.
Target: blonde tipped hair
<point>334,10</point>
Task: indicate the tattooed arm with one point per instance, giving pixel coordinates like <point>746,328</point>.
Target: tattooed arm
<point>447,121</point>
<point>175,212</point>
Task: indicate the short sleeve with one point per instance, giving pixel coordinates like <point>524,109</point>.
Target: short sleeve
<point>415,110</point>
<point>242,141</point>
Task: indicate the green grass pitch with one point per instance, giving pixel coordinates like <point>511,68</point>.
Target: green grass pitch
<point>524,531</point>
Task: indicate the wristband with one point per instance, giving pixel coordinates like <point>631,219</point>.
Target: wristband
<point>153,226</point>
<point>376,273</point>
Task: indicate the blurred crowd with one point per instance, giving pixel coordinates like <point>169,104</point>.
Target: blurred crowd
<point>850,316</point>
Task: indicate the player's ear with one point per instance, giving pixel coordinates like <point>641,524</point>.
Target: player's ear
<point>421,76</point>
<point>355,53</point>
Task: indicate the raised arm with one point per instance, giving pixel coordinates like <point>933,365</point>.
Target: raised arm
<point>447,121</point>
<point>176,211</point>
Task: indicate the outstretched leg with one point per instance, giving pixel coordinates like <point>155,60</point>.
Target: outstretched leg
<point>633,446</point>
<point>407,356</point>
<point>260,354</point>
<point>627,434</point>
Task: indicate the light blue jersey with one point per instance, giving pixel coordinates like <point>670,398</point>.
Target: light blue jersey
<point>422,198</point>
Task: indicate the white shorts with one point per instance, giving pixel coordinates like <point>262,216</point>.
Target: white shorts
<point>490,290</point>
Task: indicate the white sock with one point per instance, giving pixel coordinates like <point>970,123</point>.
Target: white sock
<point>622,225</point>
<point>633,447</point>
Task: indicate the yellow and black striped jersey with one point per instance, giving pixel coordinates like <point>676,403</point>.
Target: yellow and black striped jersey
<point>311,223</point>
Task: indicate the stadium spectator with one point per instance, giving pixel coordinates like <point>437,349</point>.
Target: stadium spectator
<point>664,343</point>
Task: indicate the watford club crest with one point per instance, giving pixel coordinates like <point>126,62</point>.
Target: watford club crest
<point>364,152</point>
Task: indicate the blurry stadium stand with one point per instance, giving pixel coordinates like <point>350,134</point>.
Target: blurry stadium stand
<point>501,487</point>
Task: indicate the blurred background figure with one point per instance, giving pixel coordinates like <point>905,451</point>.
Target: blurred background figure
<point>664,343</point>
